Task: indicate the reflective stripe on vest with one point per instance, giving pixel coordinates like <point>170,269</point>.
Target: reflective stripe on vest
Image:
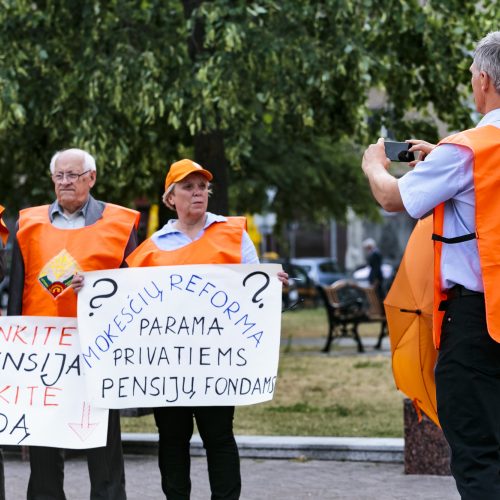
<point>220,244</point>
<point>52,255</point>
<point>484,142</point>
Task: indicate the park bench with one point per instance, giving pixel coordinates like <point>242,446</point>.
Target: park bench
<point>348,305</point>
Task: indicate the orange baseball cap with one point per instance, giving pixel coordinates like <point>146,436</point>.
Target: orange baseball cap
<point>181,169</point>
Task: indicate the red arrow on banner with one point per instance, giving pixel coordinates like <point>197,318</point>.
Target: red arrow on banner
<point>84,429</point>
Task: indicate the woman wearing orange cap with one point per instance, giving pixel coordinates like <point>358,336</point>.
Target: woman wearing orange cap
<point>196,237</point>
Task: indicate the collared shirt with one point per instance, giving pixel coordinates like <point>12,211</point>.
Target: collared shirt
<point>61,220</point>
<point>170,238</point>
<point>446,175</point>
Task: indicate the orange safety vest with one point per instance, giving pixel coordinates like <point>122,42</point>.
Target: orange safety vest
<point>484,142</point>
<point>220,244</point>
<point>52,255</point>
<point>4,231</point>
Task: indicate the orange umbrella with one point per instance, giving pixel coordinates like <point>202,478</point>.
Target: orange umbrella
<point>408,307</point>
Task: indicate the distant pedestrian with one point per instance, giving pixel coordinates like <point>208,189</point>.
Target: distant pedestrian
<point>374,262</point>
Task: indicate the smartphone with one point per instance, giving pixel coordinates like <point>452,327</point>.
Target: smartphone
<point>398,151</point>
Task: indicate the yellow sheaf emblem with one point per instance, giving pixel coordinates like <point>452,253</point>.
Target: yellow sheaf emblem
<point>57,274</point>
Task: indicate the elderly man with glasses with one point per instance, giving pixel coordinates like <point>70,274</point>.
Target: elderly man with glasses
<point>53,243</point>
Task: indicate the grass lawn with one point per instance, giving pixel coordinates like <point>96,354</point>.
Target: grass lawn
<point>337,394</point>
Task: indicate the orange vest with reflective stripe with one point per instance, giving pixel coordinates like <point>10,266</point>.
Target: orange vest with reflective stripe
<point>4,232</point>
<point>220,244</point>
<point>484,142</point>
<point>52,255</point>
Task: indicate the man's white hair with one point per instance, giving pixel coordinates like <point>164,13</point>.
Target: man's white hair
<point>487,57</point>
<point>88,159</point>
<point>369,243</point>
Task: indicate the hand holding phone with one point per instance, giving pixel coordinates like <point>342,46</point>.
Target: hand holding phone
<point>423,148</point>
<point>398,151</point>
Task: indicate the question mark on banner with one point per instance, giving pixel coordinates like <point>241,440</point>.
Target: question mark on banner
<point>261,289</point>
<point>113,284</point>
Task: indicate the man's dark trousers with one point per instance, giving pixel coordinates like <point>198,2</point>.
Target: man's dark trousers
<point>468,397</point>
<point>105,464</point>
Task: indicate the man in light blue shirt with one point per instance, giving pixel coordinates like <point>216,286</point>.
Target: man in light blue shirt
<point>468,367</point>
<point>446,174</point>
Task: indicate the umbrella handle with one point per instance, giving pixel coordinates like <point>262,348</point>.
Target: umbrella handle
<point>415,311</point>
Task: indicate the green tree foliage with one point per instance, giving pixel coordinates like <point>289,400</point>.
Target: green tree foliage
<point>314,180</point>
<point>91,75</point>
<point>262,92</point>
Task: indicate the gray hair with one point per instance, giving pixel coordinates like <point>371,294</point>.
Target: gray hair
<point>88,159</point>
<point>170,189</point>
<point>487,57</point>
<point>164,198</point>
<point>369,243</point>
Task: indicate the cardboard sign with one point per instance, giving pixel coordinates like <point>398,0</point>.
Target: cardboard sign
<point>42,391</point>
<point>181,335</point>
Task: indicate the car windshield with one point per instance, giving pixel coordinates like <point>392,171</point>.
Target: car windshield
<point>328,267</point>
<point>299,273</point>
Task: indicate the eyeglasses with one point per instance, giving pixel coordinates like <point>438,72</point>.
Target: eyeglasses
<point>72,177</point>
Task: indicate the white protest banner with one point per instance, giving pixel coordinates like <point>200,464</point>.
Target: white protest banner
<point>42,391</point>
<point>190,335</point>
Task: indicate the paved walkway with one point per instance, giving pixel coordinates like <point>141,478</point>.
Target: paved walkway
<point>376,474</point>
<point>262,480</point>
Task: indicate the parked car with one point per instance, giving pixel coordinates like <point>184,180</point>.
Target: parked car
<point>361,274</point>
<point>321,270</point>
<point>300,288</point>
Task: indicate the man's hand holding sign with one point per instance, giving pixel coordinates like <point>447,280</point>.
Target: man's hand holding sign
<point>181,335</point>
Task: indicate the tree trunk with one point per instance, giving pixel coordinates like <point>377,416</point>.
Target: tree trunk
<point>209,152</point>
<point>209,147</point>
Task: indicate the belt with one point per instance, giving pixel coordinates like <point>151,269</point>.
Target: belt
<point>460,291</point>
